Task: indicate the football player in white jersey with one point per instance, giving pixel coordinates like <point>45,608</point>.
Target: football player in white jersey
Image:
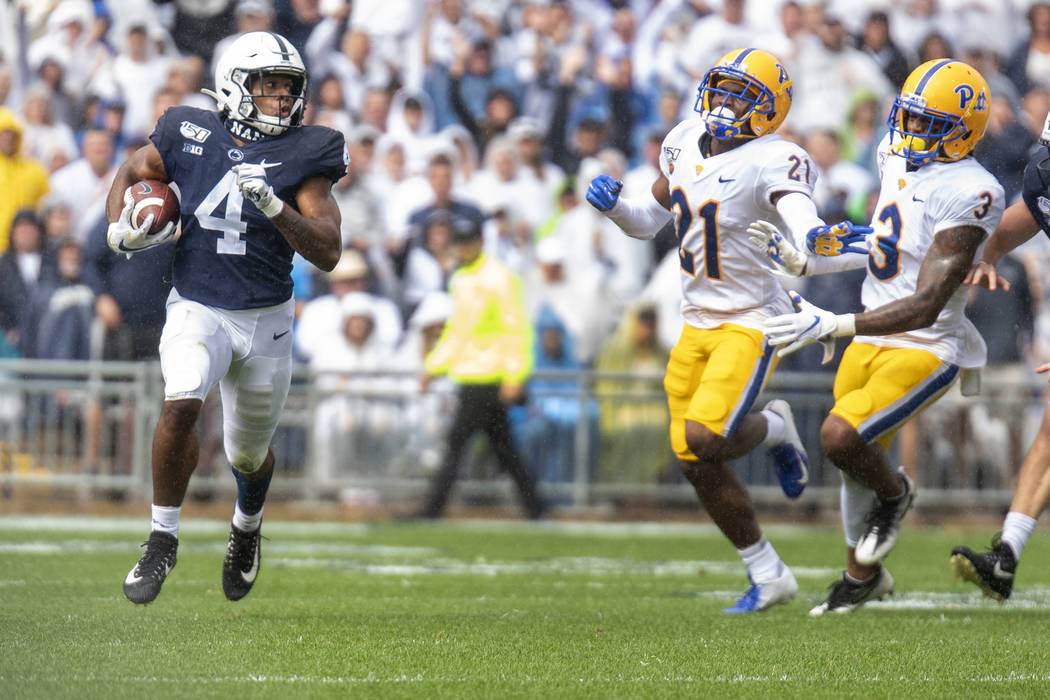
<point>936,207</point>
<point>716,174</point>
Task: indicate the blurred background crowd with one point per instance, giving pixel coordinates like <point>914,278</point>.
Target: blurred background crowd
<point>501,110</point>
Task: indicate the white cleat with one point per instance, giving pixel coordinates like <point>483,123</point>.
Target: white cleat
<point>762,596</point>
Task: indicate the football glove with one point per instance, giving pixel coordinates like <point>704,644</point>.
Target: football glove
<point>251,179</point>
<point>122,237</point>
<point>603,192</point>
<point>837,239</point>
<point>809,325</point>
<point>787,258</point>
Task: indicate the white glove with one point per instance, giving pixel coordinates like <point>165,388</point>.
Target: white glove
<point>122,237</point>
<point>251,179</point>
<point>788,259</point>
<point>809,325</point>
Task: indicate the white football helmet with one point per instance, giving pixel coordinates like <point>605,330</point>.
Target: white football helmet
<point>253,55</point>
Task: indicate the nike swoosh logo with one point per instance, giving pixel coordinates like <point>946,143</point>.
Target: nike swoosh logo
<point>278,336</point>
<point>264,165</point>
<point>998,572</point>
<point>724,180</point>
<point>816,320</point>
<point>250,574</point>
<point>916,199</point>
<point>131,578</point>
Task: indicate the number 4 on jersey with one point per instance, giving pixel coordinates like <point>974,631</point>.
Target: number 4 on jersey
<point>231,225</point>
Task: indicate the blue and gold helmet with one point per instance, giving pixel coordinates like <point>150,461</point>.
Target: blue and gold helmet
<point>951,98</point>
<point>753,75</point>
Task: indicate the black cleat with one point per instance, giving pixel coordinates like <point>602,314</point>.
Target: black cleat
<point>882,525</point>
<point>847,596</point>
<point>993,570</point>
<point>241,565</point>
<point>143,582</point>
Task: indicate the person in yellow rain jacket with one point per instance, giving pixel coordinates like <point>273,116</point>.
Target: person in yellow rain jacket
<point>486,350</point>
<point>23,181</point>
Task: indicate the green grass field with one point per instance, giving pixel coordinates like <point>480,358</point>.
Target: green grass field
<point>501,609</point>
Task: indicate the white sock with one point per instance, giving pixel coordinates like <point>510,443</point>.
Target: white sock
<point>166,519</point>
<point>775,425</point>
<point>855,500</point>
<point>762,561</point>
<point>1017,528</point>
<point>245,522</point>
<point>858,581</point>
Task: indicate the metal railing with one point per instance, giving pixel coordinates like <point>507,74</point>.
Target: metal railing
<point>598,440</point>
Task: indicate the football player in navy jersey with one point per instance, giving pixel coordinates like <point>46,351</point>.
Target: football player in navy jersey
<point>255,188</point>
<point>994,569</point>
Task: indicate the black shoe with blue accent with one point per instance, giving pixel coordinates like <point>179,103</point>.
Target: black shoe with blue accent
<point>993,570</point>
<point>792,463</point>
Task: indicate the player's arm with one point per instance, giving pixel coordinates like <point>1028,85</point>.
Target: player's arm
<point>121,236</point>
<point>1017,227</point>
<point>639,218</point>
<point>942,271</point>
<point>143,164</point>
<point>313,231</point>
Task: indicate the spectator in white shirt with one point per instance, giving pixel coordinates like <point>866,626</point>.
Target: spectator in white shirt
<point>320,319</point>
<point>84,183</point>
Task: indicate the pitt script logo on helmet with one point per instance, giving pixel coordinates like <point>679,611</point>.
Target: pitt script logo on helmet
<point>252,56</point>
<point>951,100</point>
<point>754,76</point>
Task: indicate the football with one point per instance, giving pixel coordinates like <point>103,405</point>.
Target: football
<point>154,197</point>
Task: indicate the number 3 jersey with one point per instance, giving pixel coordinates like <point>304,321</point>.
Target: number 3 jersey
<point>229,254</point>
<point>913,207</point>
<point>725,277</point>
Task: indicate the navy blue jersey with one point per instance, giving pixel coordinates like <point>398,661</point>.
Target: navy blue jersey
<point>230,255</point>
<point>1036,188</point>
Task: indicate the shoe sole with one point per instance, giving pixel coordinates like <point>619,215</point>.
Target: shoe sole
<point>132,596</point>
<point>965,570</point>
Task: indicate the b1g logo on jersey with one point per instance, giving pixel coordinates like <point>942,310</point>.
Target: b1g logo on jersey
<point>966,93</point>
<point>193,149</point>
<point>194,132</point>
<point>1044,206</point>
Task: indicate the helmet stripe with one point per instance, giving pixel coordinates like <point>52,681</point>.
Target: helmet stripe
<point>282,48</point>
<point>929,74</point>
<point>740,58</point>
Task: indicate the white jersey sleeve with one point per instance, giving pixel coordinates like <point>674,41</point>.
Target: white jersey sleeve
<point>787,168</point>
<point>882,153</point>
<point>970,201</point>
<point>671,148</point>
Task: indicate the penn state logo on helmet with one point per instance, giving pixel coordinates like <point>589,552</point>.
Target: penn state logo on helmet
<point>940,114</point>
<point>756,77</point>
<point>246,63</point>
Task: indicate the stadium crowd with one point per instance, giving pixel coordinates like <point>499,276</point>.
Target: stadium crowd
<point>496,110</point>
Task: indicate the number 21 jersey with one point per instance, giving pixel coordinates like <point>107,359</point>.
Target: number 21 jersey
<point>725,277</point>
